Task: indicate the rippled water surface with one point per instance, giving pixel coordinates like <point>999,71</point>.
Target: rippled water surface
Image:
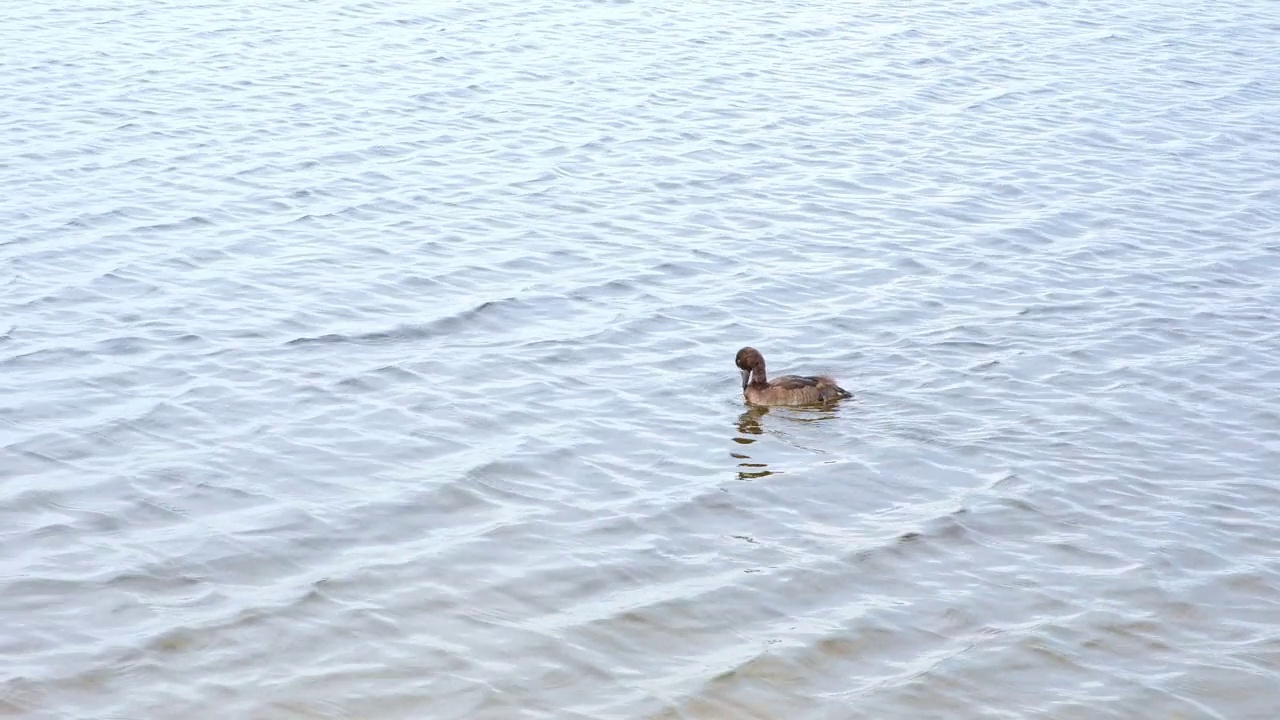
<point>375,359</point>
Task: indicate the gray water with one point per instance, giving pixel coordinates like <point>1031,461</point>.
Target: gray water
<point>375,359</point>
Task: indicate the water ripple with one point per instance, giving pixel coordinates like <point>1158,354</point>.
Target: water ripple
<point>373,360</point>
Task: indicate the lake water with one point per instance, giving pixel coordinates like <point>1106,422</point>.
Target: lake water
<point>375,359</point>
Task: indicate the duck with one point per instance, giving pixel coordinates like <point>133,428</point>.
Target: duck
<point>787,390</point>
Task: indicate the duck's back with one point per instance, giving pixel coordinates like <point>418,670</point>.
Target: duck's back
<point>797,390</point>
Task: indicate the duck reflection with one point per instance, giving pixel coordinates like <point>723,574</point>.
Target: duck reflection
<point>749,424</point>
<point>751,429</point>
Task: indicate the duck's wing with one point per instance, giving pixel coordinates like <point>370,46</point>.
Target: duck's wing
<point>804,389</point>
<point>795,382</point>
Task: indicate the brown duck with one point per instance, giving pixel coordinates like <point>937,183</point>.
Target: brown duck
<point>785,390</point>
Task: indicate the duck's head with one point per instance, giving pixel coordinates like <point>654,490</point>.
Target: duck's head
<point>751,363</point>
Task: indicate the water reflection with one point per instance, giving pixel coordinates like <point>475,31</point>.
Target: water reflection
<point>748,425</point>
<point>751,426</point>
